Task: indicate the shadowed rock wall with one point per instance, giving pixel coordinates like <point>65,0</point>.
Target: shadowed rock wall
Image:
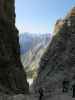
<point>12,75</point>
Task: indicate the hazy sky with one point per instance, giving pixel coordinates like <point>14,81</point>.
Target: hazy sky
<point>40,15</point>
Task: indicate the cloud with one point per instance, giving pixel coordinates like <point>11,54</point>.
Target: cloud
<point>23,28</point>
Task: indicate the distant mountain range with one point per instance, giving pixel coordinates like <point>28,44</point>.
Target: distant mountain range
<point>29,41</point>
<point>32,46</point>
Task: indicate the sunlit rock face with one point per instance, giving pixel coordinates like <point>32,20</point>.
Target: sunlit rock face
<point>56,74</point>
<point>58,25</point>
<point>12,75</point>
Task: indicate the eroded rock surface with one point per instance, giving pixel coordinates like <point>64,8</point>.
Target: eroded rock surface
<point>12,75</point>
<point>56,74</point>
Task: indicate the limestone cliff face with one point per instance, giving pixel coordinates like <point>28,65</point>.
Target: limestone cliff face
<point>12,75</point>
<point>57,65</point>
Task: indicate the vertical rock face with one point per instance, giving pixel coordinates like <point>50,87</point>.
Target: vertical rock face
<point>56,74</point>
<point>12,75</point>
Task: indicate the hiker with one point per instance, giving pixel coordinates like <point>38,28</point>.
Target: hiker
<point>73,88</point>
<point>65,85</point>
<point>40,94</point>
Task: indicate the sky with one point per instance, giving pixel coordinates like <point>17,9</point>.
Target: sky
<point>39,16</point>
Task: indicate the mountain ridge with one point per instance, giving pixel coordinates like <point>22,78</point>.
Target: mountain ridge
<point>56,74</point>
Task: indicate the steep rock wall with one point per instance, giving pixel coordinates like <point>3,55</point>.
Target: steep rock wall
<point>12,75</point>
<point>57,66</point>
